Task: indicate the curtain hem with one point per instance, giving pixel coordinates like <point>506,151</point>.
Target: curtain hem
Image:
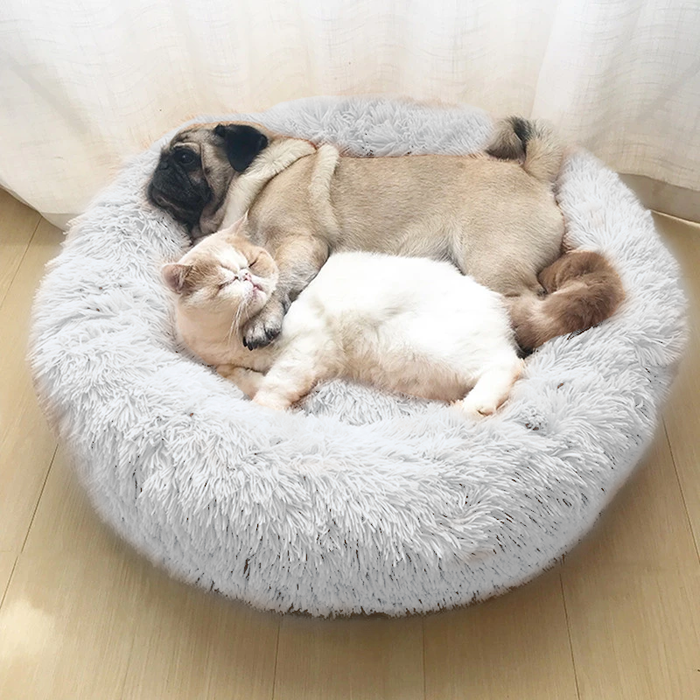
<point>659,196</point>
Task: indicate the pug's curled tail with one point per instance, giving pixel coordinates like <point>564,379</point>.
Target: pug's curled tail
<point>531,142</point>
<point>582,290</point>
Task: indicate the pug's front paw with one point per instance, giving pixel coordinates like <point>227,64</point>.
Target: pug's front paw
<point>263,328</point>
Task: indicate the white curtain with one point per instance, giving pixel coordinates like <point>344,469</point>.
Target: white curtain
<point>85,84</point>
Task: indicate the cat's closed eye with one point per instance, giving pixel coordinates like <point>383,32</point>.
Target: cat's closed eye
<point>229,276</point>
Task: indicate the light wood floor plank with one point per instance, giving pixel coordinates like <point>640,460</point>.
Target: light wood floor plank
<point>515,646</point>
<point>368,659</point>
<point>186,644</point>
<point>635,633</point>
<point>7,562</point>
<point>682,415</point>
<point>66,627</point>
<point>65,519</point>
<point>26,444</point>
<point>189,644</point>
<point>17,225</point>
<point>645,524</point>
<point>631,588</point>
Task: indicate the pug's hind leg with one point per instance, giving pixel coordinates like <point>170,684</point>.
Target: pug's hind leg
<point>247,380</point>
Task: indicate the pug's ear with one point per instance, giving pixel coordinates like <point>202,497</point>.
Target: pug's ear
<point>175,276</point>
<point>243,143</point>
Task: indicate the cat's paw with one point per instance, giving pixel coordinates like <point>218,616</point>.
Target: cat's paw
<point>247,380</point>
<point>476,409</point>
<point>271,400</point>
<point>262,329</point>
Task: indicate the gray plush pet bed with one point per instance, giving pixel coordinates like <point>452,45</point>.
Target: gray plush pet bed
<point>361,502</point>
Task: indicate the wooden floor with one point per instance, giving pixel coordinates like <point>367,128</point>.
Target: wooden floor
<point>82,616</point>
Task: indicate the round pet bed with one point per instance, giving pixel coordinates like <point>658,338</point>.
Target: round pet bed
<point>361,502</point>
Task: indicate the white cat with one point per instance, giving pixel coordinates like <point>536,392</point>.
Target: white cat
<point>411,325</point>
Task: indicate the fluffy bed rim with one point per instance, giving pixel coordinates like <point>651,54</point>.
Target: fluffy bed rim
<point>362,502</point>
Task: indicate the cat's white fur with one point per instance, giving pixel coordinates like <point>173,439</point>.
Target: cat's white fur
<point>411,325</point>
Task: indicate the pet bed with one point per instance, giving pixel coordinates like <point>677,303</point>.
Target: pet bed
<point>360,502</point>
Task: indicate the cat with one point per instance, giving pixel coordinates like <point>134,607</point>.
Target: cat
<point>410,325</point>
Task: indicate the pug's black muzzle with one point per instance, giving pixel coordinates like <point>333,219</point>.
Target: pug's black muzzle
<point>173,190</point>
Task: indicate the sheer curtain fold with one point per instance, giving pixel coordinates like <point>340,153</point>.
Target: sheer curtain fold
<point>81,89</point>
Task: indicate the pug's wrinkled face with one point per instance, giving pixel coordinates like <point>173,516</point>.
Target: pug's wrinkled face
<point>196,168</point>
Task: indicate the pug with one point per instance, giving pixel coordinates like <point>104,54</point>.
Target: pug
<point>492,214</point>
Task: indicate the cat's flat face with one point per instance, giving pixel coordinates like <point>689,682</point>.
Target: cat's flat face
<point>223,275</point>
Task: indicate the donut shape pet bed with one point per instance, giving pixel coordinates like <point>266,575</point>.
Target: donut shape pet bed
<point>361,502</point>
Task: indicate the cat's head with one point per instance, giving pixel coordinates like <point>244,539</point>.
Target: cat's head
<point>223,274</point>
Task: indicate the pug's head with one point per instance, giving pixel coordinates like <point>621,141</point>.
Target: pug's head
<point>196,168</point>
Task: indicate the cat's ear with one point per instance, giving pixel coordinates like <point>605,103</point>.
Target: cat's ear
<point>237,227</point>
<point>175,276</point>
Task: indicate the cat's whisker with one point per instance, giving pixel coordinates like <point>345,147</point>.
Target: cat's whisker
<point>236,321</point>
<point>230,330</point>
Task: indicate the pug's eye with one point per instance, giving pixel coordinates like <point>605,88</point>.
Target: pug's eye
<point>185,157</point>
